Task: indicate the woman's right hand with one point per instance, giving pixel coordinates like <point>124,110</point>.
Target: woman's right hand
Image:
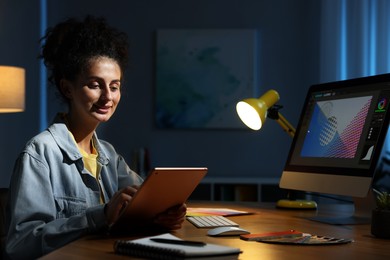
<point>118,204</point>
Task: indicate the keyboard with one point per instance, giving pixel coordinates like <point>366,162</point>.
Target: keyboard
<point>211,221</point>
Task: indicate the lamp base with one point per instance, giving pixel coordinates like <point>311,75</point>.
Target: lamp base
<point>296,204</point>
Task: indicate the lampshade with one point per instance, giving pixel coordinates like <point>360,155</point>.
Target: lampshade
<point>253,111</point>
<point>12,86</point>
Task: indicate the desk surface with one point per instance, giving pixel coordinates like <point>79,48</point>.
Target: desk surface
<point>265,219</point>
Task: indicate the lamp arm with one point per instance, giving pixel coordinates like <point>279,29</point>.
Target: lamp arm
<point>274,114</point>
<point>287,127</point>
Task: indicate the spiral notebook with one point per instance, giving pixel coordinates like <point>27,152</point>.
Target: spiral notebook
<point>146,248</point>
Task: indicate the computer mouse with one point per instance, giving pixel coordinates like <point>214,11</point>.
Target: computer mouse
<point>227,231</point>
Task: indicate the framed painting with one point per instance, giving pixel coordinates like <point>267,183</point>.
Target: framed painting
<point>201,75</point>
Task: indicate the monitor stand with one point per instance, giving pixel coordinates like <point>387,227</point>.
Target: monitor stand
<point>361,215</point>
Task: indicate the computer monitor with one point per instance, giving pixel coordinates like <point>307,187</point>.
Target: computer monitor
<point>339,138</point>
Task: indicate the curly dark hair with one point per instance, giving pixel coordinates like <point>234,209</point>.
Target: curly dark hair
<point>68,47</point>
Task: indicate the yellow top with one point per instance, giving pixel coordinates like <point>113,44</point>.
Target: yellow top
<point>89,160</point>
<point>90,163</point>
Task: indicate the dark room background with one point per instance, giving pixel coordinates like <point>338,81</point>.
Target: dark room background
<point>299,43</point>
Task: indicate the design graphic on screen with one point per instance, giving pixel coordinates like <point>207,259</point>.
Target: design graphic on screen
<point>368,153</point>
<point>336,127</point>
<point>381,105</point>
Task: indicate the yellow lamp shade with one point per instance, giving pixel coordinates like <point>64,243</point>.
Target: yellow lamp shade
<point>12,87</point>
<point>253,111</point>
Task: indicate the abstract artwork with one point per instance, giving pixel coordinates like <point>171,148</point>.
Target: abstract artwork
<point>336,127</point>
<point>201,75</point>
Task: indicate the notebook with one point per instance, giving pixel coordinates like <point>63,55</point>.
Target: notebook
<point>162,189</point>
<point>146,248</point>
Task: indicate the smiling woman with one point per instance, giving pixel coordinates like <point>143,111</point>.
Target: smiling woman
<point>93,97</point>
<point>74,183</point>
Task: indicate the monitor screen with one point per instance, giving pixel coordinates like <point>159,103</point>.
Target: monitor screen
<point>339,137</point>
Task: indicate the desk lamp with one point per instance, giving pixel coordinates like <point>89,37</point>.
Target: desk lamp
<point>12,87</point>
<point>253,112</point>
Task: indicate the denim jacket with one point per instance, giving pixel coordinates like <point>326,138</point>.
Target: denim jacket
<point>53,199</point>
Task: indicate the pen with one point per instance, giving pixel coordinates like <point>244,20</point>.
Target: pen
<point>178,242</point>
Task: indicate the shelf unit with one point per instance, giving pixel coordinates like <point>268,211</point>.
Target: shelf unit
<point>238,189</point>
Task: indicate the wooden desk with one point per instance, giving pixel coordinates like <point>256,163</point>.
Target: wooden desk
<point>265,219</point>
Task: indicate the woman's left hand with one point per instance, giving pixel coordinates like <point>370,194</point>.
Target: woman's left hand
<point>172,218</point>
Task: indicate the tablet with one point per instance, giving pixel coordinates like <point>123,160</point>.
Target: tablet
<point>162,189</point>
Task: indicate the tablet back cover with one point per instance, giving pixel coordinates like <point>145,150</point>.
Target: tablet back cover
<point>162,189</point>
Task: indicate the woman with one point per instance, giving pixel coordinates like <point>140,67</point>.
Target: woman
<point>66,182</point>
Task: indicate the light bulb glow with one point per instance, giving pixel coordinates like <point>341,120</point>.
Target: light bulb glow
<point>248,115</point>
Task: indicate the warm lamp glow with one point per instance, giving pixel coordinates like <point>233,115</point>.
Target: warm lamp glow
<point>12,86</point>
<point>253,111</point>
<point>249,115</point>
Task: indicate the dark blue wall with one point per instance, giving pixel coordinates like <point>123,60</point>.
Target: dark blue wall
<point>19,35</point>
<point>288,57</point>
